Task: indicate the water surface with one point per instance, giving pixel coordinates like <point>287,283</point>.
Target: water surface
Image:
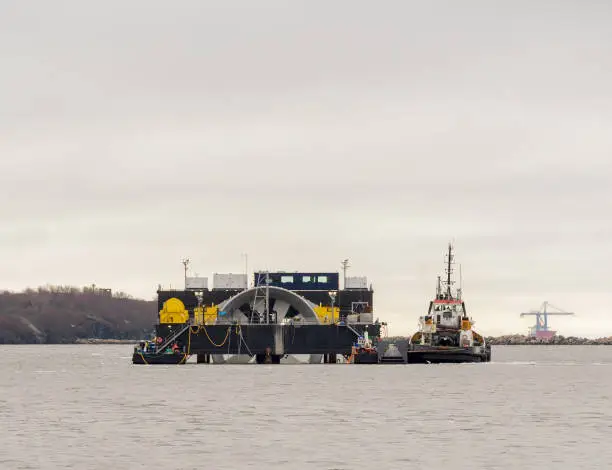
<point>88,407</point>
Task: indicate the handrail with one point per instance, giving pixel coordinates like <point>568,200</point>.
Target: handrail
<point>353,330</point>
<point>172,338</point>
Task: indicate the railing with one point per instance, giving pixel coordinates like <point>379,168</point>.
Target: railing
<point>353,330</point>
<point>173,337</point>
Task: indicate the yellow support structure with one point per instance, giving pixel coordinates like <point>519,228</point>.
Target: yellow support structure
<point>324,314</point>
<point>210,315</point>
<point>198,315</point>
<point>205,315</point>
<point>173,312</point>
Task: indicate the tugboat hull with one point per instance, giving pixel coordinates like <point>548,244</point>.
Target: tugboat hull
<point>433,355</point>
<point>150,358</point>
<point>366,358</point>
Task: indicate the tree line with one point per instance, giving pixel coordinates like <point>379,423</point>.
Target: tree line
<point>64,314</point>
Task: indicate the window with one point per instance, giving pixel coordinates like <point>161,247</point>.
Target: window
<point>322,279</point>
<point>287,279</point>
<point>306,279</point>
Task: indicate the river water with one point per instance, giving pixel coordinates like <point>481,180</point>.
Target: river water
<point>88,407</point>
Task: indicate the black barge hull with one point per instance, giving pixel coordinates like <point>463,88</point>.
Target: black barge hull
<point>446,356</point>
<point>366,358</point>
<point>267,342</point>
<point>266,339</point>
<point>151,359</point>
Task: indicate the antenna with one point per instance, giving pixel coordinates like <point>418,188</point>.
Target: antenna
<point>186,262</point>
<point>267,307</point>
<point>246,268</point>
<point>345,266</point>
<point>449,271</point>
<point>460,290</point>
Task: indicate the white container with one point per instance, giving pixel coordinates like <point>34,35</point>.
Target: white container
<point>356,282</point>
<point>229,281</point>
<point>196,283</point>
<point>366,317</point>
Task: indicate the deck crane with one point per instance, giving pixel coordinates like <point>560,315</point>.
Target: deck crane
<point>540,329</point>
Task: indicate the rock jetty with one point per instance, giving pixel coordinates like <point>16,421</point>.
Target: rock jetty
<point>557,340</point>
<point>528,340</point>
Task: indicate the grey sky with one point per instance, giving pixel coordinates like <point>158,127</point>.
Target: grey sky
<point>135,133</point>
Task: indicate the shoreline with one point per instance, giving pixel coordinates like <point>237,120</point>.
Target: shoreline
<point>106,341</point>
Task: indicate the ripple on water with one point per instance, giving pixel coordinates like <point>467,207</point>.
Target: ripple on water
<point>66,408</point>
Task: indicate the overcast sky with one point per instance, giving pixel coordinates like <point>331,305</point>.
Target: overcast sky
<point>134,133</point>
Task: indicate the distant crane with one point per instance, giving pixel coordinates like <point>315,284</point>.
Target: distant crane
<point>540,330</point>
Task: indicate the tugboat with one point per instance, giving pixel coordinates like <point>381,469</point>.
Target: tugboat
<point>445,334</point>
<point>150,352</point>
<point>364,352</point>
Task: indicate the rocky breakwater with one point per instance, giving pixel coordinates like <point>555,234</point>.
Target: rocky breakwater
<point>557,340</point>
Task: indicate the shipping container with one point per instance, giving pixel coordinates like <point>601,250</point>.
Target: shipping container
<point>229,281</point>
<point>356,282</point>
<point>196,283</point>
<point>366,318</point>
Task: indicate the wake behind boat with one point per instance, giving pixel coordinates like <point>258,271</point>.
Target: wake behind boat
<point>445,334</point>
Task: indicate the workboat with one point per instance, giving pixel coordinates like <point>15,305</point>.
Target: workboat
<point>153,352</point>
<point>364,352</point>
<point>445,333</point>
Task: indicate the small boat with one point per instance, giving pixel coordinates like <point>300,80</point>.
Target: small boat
<point>364,352</point>
<point>445,334</point>
<point>148,353</point>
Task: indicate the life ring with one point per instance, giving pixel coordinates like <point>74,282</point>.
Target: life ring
<point>160,340</point>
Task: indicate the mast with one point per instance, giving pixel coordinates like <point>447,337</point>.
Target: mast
<point>186,262</point>
<point>267,301</point>
<point>460,289</point>
<point>345,266</point>
<point>246,269</point>
<point>448,271</point>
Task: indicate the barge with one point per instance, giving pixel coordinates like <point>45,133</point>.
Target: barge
<point>279,316</point>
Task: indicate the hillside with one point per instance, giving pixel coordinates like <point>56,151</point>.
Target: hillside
<point>56,314</point>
